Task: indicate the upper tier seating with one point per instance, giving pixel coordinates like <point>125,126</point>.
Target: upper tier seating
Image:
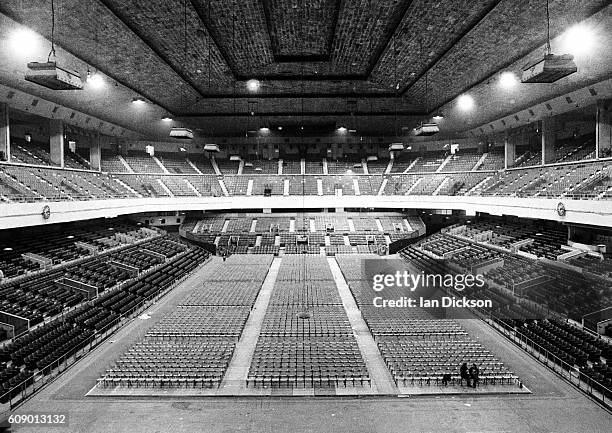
<point>175,163</point>
<point>493,161</point>
<point>142,163</point>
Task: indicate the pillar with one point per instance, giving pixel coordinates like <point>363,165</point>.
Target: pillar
<point>5,132</point>
<point>56,141</point>
<point>603,128</point>
<point>549,135</point>
<point>95,153</point>
<point>509,151</point>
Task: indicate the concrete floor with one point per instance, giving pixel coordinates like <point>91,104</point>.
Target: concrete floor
<point>553,406</point>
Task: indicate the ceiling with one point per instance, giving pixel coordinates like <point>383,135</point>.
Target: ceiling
<point>316,59</point>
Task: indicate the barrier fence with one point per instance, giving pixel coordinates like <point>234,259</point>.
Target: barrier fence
<point>593,388</point>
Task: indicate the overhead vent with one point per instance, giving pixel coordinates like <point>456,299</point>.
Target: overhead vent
<point>53,77</point>
<point>550,69</point>
<point>181,133</point>
<point>426,129</point>
<point>211,147</point>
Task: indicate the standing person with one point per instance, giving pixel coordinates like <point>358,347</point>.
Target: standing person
<point>463,371</point>
<point>474,375</point>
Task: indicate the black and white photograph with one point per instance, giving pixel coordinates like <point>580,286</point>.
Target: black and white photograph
<point>305,216</point>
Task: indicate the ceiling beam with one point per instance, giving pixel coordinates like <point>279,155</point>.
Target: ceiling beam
<point>213,37</point>
<point>301,114</point>
<point>485,13</point>
<point>297,95</point>
<point>396,21</point>
<point>153,48</point>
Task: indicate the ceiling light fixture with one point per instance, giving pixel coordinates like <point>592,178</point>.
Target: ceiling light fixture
<point>166,119</point>
<point>95,80</point>
<point>24,41</point>
<point>465,102</point>
<point>508,80</point>
<point>253,85</point>
<point>138,101</point>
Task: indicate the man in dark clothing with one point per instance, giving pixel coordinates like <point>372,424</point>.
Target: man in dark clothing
<point>463,371</point>
<point>474,375</point>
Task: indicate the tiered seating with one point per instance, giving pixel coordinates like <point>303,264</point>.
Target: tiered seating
<point>37,352</point>
<point>30,153</point>
<point>203,164</point>
<point>228,167</point>
<point>597,265</point>
<point>344,167</point>
<point>175,163</point>
<point>178,186</point>
<point>493,161</point>
<point>260,167</point>
<point>112,163</point>
<point>378,167</point>
<point>429,162</point>
<point>462,161</point>
<point>402,162</point>
<point>142,163</point>
<point>146,185</point>
<point>292,167</point>
<point>314,167</point>
<point>369,185</point>
<point>206,185</point>
<point>236,185</point>
<point>276,185</point>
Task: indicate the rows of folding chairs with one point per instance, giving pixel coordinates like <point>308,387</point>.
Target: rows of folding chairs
<point>414,361</point>
<point>305,293</point>
<point>189,363</point>
<point>323,321</point>
<point>298,268</point>
<point>307,363</point>
<point>190,321</point>
<point>306,340</point>
<point>231,293</point>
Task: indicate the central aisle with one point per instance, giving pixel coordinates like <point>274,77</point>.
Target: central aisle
<point>382,382</point>
<point>236,374</point>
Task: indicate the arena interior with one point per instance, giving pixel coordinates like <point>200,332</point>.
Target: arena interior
<point>204,203</point>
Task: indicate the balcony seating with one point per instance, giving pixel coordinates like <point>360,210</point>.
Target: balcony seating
<point>175,164</point>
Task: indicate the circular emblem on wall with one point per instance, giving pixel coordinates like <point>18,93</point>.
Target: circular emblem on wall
<point>46,212</point>
<point>561,209</point>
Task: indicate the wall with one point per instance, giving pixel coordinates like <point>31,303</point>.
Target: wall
<point>598,213</point>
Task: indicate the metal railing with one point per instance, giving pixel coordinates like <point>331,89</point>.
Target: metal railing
<point>591,387</point>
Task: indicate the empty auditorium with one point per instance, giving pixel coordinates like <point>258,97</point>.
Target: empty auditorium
<point>306,216</point>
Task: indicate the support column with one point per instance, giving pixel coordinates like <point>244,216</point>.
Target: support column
<point>95,153</point>
<point>5,132</point>
<point>603,128</point>
<point>509,151</point>
<point>56,141</point>
<point>549,136</point>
